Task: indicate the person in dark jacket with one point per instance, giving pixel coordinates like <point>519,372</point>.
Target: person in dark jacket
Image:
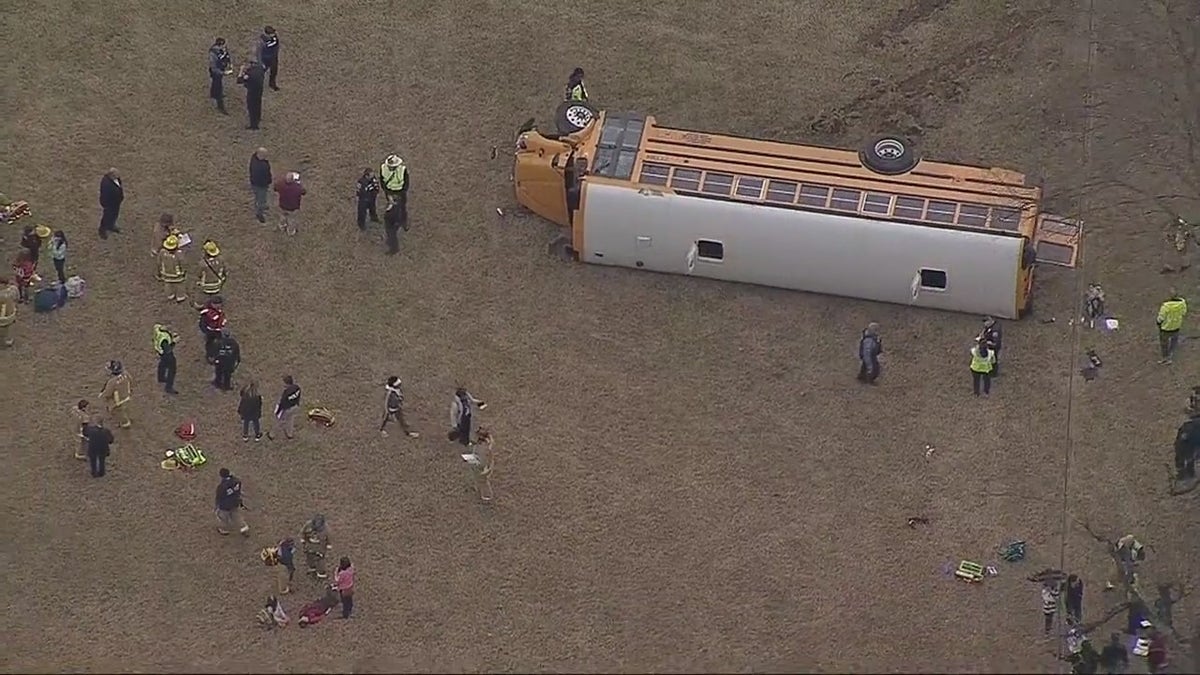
<point>219,62</point>
<point>393,407</point>
<point>112,193</point>
<point>990,336</point>
<point>228,356</point>
<point>367,192</point>
<point>1187,444</point>
<point>251,77</point>
<point>870,346</point>
<point>250,410</point>
<point>286,409</point>
<point>30,241</point>
<point>1114,658</point>
<point>268,53</point>
<point>260,182</point>
<point>1074,601</point>
<point>99,444</point>
<point>229,504</point>
<point>394,218</point>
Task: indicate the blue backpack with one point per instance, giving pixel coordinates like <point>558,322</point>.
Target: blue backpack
<point>49,299</point>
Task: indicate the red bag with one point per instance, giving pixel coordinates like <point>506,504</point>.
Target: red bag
<point>186,431</point>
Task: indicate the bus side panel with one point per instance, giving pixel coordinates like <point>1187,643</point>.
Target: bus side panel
<point>800,250</point>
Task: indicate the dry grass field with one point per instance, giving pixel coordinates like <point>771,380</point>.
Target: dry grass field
<point>689,478</point>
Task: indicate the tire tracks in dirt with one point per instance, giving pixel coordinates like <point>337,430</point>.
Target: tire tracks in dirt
<point>914,101</point>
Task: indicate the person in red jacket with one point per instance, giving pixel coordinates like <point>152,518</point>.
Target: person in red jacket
<point>25,270</point>
<point>212,322</point>
<point>290,192</point>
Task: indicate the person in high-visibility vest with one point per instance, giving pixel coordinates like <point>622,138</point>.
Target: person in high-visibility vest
<point>1170,320</point>
<point>983,361</point>
<point>8,310</point>
<point>164,346</point>
<point>212,273</point>
<point>116,394</point>
<point>170,269</point>
<point>393,177</point>
<point>576,91</point>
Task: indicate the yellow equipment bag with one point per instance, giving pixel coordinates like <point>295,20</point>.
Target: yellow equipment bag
<point>322,416</point>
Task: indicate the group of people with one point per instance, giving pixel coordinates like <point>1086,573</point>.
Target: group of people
<point>262,68</point>
<point>985,356</point>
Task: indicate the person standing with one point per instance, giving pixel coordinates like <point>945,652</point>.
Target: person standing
<point>229,505</point>
<point>291,192</point>
<point>24,272</point>
<point>393,220</point>
<point>228,357</point>
<point>164,346</point>
<point>250,411</point>
<point>1050,593</point>
<point>1074,599</point>
<point>58,254</point>
<point>171,271</point>
<point>268,53</point>
<point>116,394</point>
<point>870,346</point>
<point>992,337</point>
<point>112,195</point>
<point>1170,319</point>
<point>99,445</point>
<point>8,310</point>
<point>285,410</point>
<point>482,461</point>
<point>212,272</point>
<point>160,231</point>
<point>251,77</point>
<point>260,182</point>
<point>1114,658</point>
<point>393,407</point>
<point>367,192</point>
<point>1187,444</point>
<point>576,91</point>
<point>83,417</point>
<point>394,179</point>
<point>1156,654</point>
<point>212,322</point>
<point>31,241</point>
<point>982,363</point>
<point>219,63</point>
<point>287,558</point>
<point>343,582</point>
<point>314,538</point>
<point>463,408</point>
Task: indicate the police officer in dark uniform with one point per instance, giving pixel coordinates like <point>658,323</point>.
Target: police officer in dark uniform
<point>251,77</point>
<point>228,356</point>
<point>367,192</point>
<point>394,217</point>
<point>218,65</point>
<point>268,53</point>
<point>164,345</point>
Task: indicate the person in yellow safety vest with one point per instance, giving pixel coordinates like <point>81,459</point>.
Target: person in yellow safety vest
<point>170,269</point>
<point>8,310</point>
<point>393,177</point>
<point>164,346</point>
<point>212,272</point>
<point>983,361</point>
<point>116,394</point>
<point>1170,320</point>
<point>576,91</point>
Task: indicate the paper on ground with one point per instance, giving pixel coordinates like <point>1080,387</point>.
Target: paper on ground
<point>471,458</point>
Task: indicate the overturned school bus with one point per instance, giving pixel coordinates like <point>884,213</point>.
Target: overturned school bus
<point>878,224</point>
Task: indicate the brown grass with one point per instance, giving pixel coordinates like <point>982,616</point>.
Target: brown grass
<point>689,478</point>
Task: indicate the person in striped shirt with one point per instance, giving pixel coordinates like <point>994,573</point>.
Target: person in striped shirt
<point>1050,593</point>
<point>393,407</point>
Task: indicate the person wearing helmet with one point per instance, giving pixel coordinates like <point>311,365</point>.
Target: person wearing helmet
<point>291,191</point>
<point>116,394</point>
<point>315,541</point>
<point>576,91</point>
<point>212,273</point>
<point>170,269</point>
<point>395,180</point>
<point>228,356</point>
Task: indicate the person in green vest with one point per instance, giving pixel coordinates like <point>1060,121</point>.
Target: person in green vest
<point>983,362</point>
<point>576,91</point>
<point>164,346</point>
<point>1170,320</point>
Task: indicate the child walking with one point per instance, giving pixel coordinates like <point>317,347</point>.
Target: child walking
<point>58,253</point>
<point>25,270</point>
<point>250,410</point>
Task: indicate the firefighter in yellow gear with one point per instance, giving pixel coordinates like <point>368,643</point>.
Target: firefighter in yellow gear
<point>116,394</point>
<point>212,273</point>
<point>8,310</point>
<point>170,269</point>
<point>314,539</point>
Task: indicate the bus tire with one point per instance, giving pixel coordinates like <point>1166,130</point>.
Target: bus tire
<point>573,116</point>
<point>889,155</point>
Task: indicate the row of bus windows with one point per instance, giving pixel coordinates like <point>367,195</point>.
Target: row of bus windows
<point>848,200</point>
